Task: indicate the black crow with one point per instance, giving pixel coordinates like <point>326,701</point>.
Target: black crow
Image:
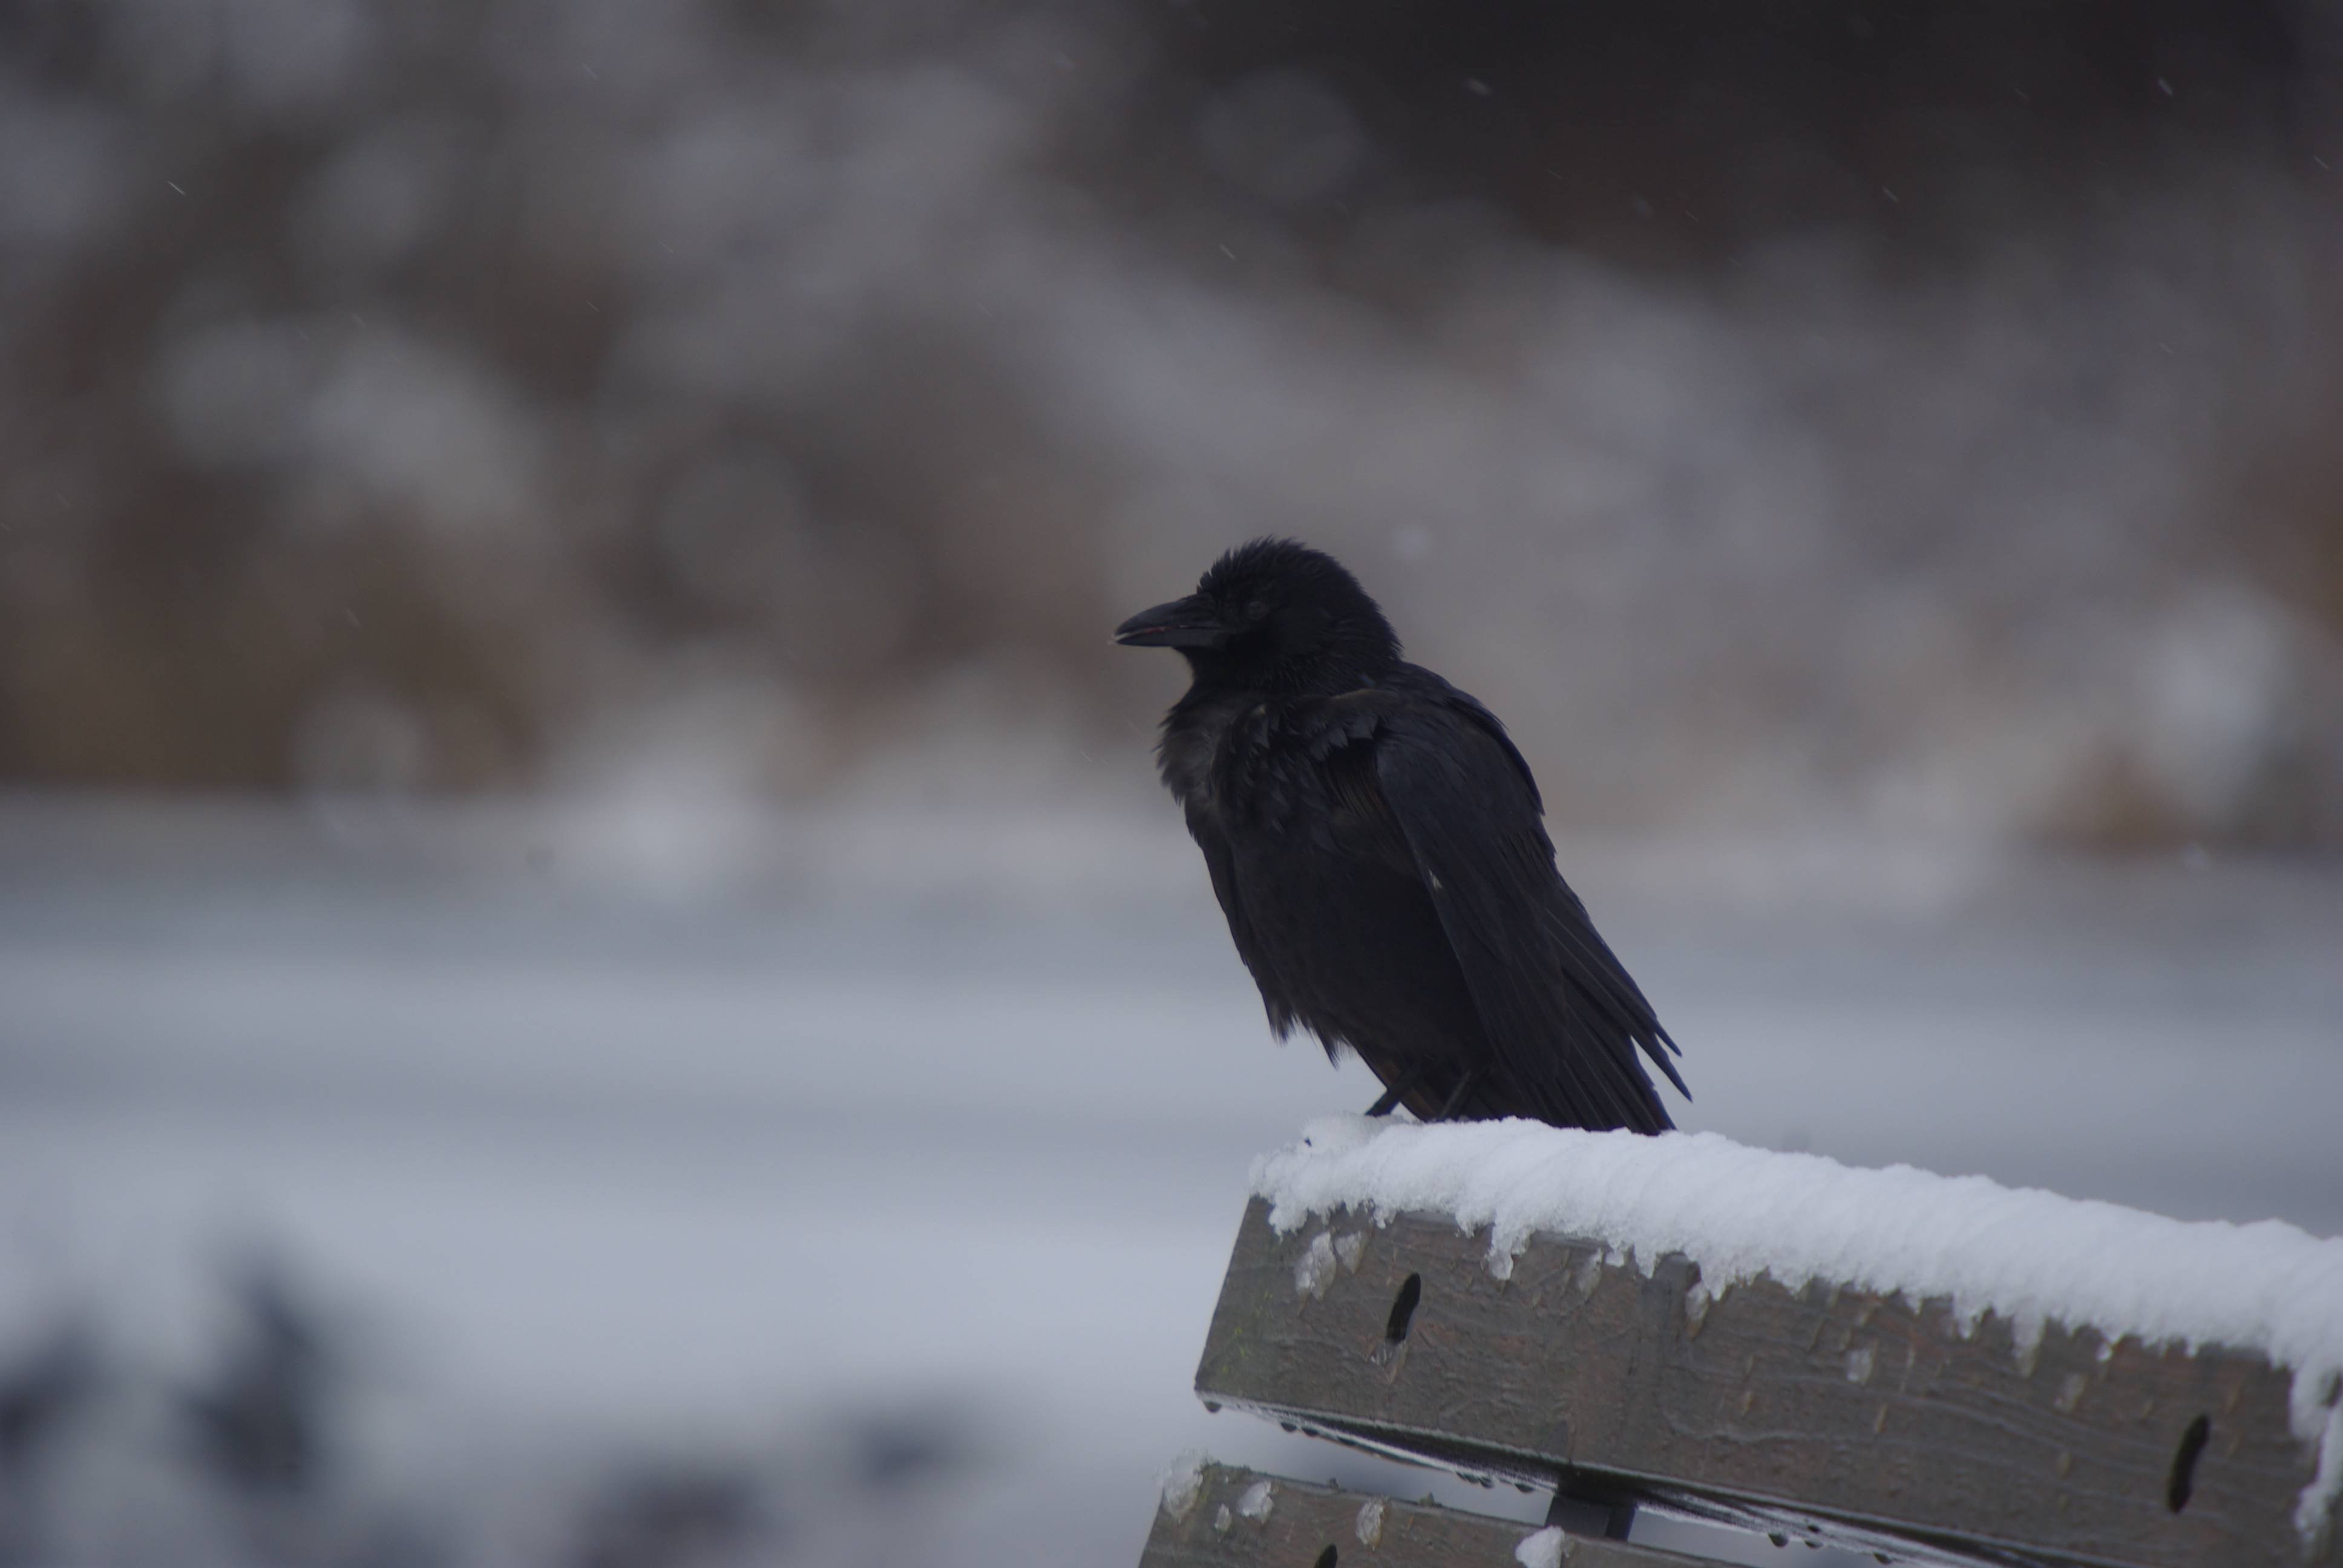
<point>1378,847</point>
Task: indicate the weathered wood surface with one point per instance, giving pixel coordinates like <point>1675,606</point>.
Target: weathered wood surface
<point>1762,1404</point>
<point>1294,1524</point>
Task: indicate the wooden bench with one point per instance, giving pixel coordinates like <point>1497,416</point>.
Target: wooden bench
<point>1827,1413</point>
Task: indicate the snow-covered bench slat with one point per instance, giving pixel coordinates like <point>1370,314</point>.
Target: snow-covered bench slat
<point>1219,1516</point>
<point>2003,1434</point>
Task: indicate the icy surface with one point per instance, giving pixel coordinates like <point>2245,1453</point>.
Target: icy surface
<point>572,1158</point>
<point>2027,1255</point>
<point>1258,1499</point>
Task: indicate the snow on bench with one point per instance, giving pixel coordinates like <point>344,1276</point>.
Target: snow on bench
<point>1888,1357</point>
<point>1212,1515</point>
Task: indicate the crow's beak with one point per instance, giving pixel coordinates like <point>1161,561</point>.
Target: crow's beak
<point>1184,623</point>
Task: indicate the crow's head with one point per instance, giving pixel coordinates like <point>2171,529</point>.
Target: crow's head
<point>1273,614</point>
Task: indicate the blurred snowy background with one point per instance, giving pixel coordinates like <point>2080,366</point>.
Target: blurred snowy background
<point>591,966</point>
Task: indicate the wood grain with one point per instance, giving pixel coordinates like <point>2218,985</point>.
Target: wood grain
<point>1871,1420</point>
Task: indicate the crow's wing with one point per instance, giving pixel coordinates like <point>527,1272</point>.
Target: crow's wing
<point>1563,1020</point>
<point>1220,862</point>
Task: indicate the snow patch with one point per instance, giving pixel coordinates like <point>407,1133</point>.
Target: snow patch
<point>1314,1270</point>
<point>1370,1526</point>
<point>1258,1499</point>
<point>2314,1510</point>
<point>1182,1483</point>
<point>2024,1255</point>
<point>1542,1549</point>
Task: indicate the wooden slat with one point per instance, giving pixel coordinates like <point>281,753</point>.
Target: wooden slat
<point>1303,1522</point>
<point>1764,1404</point>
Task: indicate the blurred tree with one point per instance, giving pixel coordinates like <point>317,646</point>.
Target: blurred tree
<point>1838,408</point>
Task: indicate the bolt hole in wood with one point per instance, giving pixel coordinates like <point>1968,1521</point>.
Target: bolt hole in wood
<point>2184,1463</point>
<point>1325,1559</point>
<point>1402,1313</point>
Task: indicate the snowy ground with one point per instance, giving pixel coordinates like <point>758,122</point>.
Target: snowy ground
<point>897,1176</point>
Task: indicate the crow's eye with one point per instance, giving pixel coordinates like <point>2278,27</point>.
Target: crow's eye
<point>1256,609</point>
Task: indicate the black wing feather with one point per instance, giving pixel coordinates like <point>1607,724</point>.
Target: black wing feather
<point>1563,1019</point>
<point>1220,864</point>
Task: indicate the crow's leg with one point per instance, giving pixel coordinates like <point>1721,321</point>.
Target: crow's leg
<point>1464,1086</point>
<point>1393,1095</point>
